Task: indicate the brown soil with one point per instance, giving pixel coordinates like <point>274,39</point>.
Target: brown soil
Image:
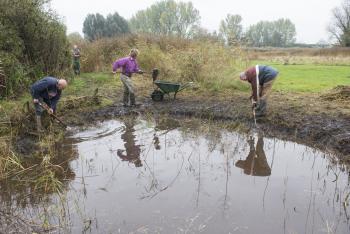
<point>309,119</point>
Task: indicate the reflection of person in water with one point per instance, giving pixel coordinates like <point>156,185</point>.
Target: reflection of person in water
<point>132,151</point>
<point>156,141</point>
<point>255,164</point>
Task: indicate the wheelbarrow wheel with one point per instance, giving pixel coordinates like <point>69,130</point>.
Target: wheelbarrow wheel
<point>157,96</point>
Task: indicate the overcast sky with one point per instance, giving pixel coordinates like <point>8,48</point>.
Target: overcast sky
<point>311,17</point>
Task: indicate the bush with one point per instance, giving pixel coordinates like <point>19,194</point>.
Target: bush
<point>33,43</point>
<point>183,60</point>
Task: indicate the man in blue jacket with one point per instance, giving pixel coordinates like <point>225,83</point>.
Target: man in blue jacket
<point>261,78</point>
<point>46,91</point>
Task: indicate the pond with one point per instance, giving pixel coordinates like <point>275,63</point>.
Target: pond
<point>164,175</point>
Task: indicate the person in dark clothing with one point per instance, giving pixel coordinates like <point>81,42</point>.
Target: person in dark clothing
<point>76,60</point>
<point>256,163</point>
<point>132,150</point>
<point>46,91</point>
<point>261,78</point>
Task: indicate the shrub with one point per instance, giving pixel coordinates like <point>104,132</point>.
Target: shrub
<point>178,59</point>
<point>33,43</point>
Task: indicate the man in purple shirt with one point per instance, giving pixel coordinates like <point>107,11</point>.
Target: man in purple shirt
<point>128,66</point>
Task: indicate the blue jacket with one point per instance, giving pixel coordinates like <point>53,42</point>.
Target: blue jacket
<point>266,74</point>
<point>46,89</point>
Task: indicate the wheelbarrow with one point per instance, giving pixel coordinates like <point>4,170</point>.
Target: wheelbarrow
<point>165,87</point>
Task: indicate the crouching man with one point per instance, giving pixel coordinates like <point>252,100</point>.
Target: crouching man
<point>261,78</point>
<point>46,91</point>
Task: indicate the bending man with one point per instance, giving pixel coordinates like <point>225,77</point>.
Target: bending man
<point>46,91</point>
<point>261,78</point>
<point>128,66</point>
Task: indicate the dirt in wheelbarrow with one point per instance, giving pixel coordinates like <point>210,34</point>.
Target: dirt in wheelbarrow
<point>309,119</point>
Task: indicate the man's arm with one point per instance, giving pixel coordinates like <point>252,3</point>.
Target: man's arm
<point>251,77</point>
<point>39,87</point>
<point>118,64</point>
<point>137,68</point>
<point>54,101</point>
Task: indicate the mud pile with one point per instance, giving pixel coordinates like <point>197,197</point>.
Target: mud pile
<point>339,93</point>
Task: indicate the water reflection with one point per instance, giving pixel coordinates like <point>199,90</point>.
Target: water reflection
<point>256,163</point>
<point>188,178</point>
<point>132,150</point>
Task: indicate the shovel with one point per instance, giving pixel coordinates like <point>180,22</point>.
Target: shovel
<point>43,105</point>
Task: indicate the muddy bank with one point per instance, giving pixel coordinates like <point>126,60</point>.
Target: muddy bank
<point>325,130</point>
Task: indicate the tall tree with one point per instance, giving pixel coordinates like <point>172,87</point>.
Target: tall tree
<point>94,26</point>
<point>167,18</point>
<point>340,26</point>
<point>115,25</point>
<point>231,29</point>
<point>280,33</point>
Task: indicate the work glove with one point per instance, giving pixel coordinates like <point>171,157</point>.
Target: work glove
<point>140,72</point>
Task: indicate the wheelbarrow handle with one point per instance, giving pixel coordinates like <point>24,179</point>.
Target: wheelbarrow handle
<point>182,87</point>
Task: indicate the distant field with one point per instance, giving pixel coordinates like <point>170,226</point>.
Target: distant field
<point>309,77</point>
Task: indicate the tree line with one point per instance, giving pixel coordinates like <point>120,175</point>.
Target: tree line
<point>181,19</point>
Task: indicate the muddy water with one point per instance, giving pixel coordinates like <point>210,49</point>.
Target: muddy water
<point>166,176</point>
<point>187,176</point>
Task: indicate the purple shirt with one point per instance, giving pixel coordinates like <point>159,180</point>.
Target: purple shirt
<point>127,64</point>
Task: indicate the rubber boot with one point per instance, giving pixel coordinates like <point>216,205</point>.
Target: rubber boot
<point>39,126</point>
<point>261,108</point>
<point>132,99</point>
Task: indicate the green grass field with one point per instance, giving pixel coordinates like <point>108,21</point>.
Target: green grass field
<point>310,78</point>
<point>306,78</point>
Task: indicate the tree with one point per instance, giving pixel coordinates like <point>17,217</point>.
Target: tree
<point>95,26</point>
<point>115,25</point>
<point>167,18</point>
<point>280,33</point>
<point>340,26</point>
<point>231,29</point>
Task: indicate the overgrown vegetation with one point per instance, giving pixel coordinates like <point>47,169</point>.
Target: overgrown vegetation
<point>205,62</point>
<point>33,43</point>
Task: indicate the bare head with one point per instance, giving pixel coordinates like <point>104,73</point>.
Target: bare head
<point>243,76</point>
<point>75,47</point>
<point>62,84</point>
<point>134,53</point>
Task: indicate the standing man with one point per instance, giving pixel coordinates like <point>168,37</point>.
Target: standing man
<point>128,66</point>
<point>76,60</point>
<point>261,78</point>
<point>46,91</point>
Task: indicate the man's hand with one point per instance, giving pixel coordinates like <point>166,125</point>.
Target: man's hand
<point>36,100</point>
<point>140,72</point>
<point>50,111</point>
<point>114,72</point>
<point>254,104</point>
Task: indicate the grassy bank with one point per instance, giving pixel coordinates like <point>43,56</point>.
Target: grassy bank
<point>309,77</point>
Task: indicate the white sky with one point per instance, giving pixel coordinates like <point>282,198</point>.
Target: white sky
<point>311,17</point>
